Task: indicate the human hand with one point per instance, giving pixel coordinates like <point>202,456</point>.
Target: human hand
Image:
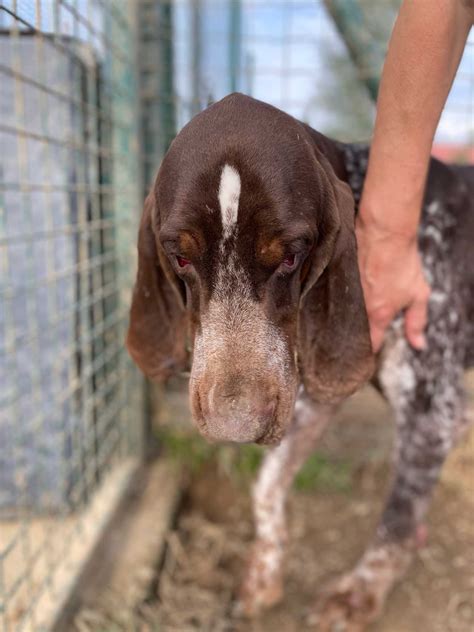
<point>393,280</point>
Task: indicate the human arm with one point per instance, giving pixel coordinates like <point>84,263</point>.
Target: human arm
<point>424,53</point>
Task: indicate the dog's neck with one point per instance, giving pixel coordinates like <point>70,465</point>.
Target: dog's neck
<point>349,161</point>
<point>355,156</point>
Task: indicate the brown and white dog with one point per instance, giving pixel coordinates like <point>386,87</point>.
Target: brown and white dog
<point>247,250</point>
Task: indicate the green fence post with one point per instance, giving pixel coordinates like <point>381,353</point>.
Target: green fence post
<point>235,44</point>
<point>366,53</point>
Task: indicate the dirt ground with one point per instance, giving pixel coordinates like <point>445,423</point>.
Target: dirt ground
<point>329,528</point>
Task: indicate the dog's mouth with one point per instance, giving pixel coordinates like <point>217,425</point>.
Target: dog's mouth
<point>274,432</point>
<point>271,438</point>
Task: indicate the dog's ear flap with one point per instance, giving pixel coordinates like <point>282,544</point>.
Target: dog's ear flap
<point>156,337</point>
<point>335,351</point>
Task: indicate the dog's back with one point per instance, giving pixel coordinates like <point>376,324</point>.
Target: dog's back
<point>466,172</point>
<point>449,209</point>
<point>446,237</point>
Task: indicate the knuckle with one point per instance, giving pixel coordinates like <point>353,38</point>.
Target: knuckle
<point>425,290</point>
<point>381,315</point>
<point>415,328</point>
<point>416,316</point>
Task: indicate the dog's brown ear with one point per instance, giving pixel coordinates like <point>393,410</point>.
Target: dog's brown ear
<point>334,342</point>
<point>156,337</point>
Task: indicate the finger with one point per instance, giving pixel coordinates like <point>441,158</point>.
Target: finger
<point>376,337</point>
<point>415,322</point>
<point>379,320</point>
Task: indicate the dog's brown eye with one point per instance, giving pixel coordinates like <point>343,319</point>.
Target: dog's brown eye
<point>182,261</point>
<point>290,261</point>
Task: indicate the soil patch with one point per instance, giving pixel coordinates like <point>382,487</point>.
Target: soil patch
<point>330,524</point>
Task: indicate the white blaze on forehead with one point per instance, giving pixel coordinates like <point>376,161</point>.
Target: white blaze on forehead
<point>229,194</point>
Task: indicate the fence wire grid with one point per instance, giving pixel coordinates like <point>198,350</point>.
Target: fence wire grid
<point>70,193</point>
<point>91,94</point>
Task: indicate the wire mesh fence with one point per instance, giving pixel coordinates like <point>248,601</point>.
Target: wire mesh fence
<point>70,193</point>
<point>81,82</point>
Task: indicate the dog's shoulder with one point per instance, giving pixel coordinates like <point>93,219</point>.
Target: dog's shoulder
<point>447,220</point>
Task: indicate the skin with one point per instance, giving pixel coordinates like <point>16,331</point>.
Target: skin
<point>424,53</point>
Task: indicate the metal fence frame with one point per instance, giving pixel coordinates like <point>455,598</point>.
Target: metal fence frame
<point>72,410</point>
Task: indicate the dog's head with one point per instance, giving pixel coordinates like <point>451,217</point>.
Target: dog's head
<point>248,239</point>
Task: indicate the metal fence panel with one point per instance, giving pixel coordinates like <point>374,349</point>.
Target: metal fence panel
<point>71,404</point>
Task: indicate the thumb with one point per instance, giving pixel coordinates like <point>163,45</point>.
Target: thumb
<point>415,322</point>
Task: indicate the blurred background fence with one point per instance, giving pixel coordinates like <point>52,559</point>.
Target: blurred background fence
<point>71,408</point>
<point>91,94</point>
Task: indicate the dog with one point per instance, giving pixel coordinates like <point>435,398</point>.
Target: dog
<point>247,254</point>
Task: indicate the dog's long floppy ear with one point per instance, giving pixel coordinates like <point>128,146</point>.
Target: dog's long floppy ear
<point>156,337</point>
<point>335,352</point>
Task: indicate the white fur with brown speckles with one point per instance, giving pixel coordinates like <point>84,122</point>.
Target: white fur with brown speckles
<point>269,495</point>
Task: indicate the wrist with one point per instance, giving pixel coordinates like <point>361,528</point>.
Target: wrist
<point>387,222</point>
<point>392,207</point>
<point>393,192</point>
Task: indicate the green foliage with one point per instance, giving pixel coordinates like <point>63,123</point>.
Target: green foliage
<point>321,473</point>
<point>241,463</point>
<point>342,96</point>
<point>187,448</point>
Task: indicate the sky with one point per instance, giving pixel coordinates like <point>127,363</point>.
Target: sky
<point>284,59</point>
<point>284,56</point>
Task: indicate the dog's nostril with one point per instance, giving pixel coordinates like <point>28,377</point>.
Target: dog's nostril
<point>239,417</point>
<point>229,395</point>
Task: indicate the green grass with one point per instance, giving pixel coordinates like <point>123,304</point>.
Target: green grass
<point>241,463</point>
<point>324,474</point>
<point>188,449</point>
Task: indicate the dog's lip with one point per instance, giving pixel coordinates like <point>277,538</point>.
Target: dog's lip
<point>268,440</point>
<point>199,418</point>
<point>272,436</point>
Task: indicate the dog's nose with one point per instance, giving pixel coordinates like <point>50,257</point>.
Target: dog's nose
<point>238,418</point>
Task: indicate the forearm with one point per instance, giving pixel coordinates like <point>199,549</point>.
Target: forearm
<point>423,56</point>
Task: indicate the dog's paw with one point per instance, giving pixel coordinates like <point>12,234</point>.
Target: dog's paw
<point>349,604</point>
<point>356,599</point>
<point>262,585</point>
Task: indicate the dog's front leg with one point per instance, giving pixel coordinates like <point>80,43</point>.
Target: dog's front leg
<point>263,580</point>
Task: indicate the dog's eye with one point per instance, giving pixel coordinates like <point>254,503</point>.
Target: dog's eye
<point>182,261</point>
<point>290,261</point>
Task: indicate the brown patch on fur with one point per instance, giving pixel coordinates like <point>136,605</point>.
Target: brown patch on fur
<point>158,323</point>
<point>190,245</point>
<point>272,252</point>
<point>305,271</point>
